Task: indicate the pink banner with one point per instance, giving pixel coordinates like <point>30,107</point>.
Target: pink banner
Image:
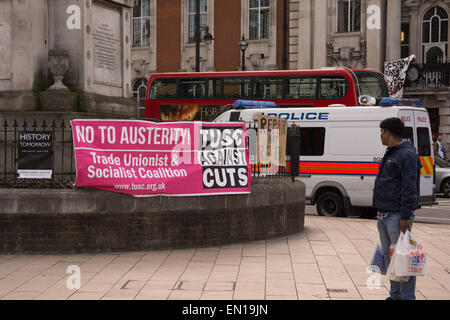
<point>144,158</point>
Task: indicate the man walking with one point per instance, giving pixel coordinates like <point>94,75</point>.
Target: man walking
<point>440,147</point>
<point>396,195</point>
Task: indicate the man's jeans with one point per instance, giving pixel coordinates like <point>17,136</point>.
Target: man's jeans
<point>389,230</point>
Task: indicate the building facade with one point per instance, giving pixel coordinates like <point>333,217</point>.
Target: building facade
<point>303,34</point>
<point>115,45</point>
<point>169,41</point>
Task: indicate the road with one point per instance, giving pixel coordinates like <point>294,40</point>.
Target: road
<point>437,214</point>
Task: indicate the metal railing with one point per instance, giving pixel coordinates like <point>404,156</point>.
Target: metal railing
<point>273,170</point>
<point>428,75</point>
<point>63,162</point>
<point>62,155</point>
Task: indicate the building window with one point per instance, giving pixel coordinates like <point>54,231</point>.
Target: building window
<point>139,93</point>
<point>435,35</point>
<point>191,19</point>
<point>349,15</point>
<point>141,23</point>
<point>258,19</point>
<point>404,44</point>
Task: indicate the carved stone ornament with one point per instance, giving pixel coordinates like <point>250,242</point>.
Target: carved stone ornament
<point>58,63</point>
<point>348,56</point>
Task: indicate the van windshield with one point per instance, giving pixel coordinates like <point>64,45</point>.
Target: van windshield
<point>371,84</point>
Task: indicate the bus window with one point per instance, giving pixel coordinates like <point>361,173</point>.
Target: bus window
<point>333,87</point>
<point>371,84</point>
<point>408,134</point>
<point>193,88</point>
<point>423,139</point>
<point>315,88</point>
<point>237,88</point>
<point>269,88</point>
<point>302,88</point>
<point>214,88</point>
<point>163,88</point>
<point>312,141</point>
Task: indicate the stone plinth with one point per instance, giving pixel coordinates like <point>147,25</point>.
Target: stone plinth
<point>17,101</point>
<point>58,100</point>
<point>94,220</point>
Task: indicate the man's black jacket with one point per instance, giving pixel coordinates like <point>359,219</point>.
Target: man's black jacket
<point>397,186</point>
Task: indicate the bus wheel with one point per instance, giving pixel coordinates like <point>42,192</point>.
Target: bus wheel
<point>330,204</point>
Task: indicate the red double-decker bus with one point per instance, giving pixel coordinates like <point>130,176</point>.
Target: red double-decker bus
<point>197,96</point>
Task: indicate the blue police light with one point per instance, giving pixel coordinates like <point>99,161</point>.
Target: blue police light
<point>254,104</point>
<point>400,102</point>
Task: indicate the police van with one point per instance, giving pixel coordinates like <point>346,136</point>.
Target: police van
<point>341,151</point>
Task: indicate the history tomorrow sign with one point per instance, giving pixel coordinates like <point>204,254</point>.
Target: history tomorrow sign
<point>35,155</point>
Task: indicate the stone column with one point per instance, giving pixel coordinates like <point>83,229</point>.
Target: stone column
<point>393,29</point>
<point>305,30</point>
<point>320,34</point>
<point>414,36</point>
<point>293,34</point>
<point>374,37</point>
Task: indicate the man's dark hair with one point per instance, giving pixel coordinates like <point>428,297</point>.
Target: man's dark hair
<point>394,125</point>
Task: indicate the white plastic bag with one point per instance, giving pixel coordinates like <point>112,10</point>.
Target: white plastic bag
<point>391,271</point>
<point>378,263</point>
<point>409,259</point>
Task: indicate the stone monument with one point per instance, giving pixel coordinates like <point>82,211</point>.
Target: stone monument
<point>99,48</point>
<point>66,56</point>
<point>62,60</point>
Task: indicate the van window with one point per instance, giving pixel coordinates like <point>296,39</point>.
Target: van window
<point>408,134</point>
<point>423,139</point>
<point>312,141</point>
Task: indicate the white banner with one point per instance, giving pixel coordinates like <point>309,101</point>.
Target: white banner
<point>395,75</point>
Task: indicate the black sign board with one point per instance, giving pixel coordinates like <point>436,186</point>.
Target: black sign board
<point>35,154</point>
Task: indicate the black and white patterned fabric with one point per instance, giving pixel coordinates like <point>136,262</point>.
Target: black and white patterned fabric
<point>395,75</point>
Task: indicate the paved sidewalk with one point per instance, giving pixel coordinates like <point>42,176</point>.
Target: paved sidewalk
<point>326,261</point>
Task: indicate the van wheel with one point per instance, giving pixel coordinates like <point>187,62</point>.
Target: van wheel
<point>330,204</point>
<point>446,188</point>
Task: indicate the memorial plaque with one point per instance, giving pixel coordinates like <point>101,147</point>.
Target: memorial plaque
<point>5,51</point>
<point>106,36</point>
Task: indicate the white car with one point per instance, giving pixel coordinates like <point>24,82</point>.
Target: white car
<point>442,176</point>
